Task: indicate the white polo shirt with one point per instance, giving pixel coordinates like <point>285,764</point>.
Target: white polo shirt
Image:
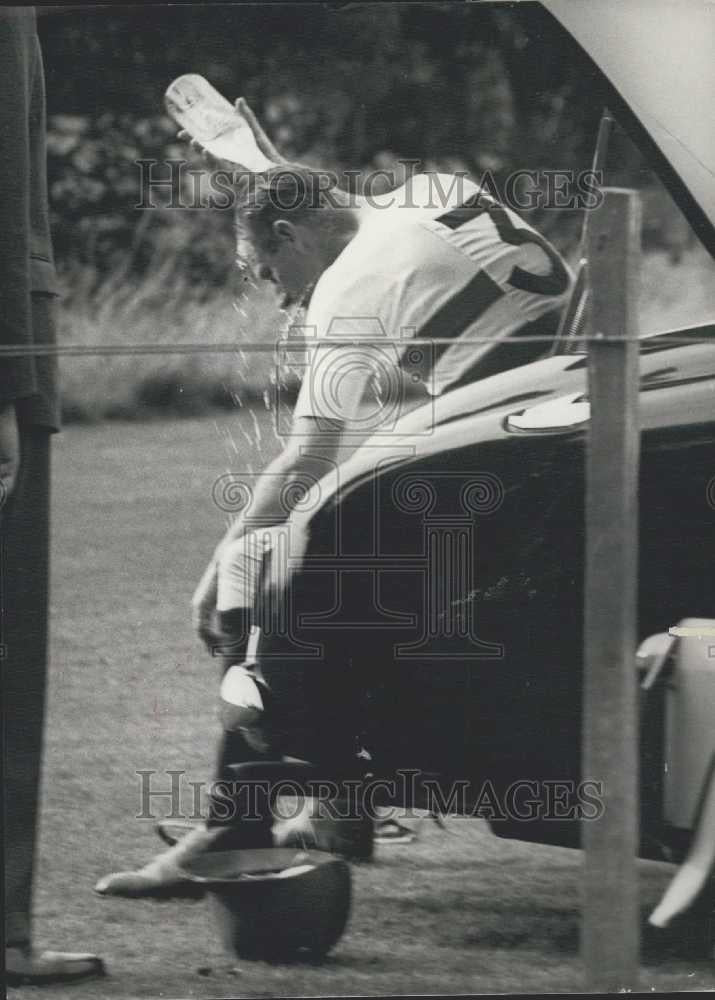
<point>449,269</point>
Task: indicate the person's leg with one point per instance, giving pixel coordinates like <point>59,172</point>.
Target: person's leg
<point>295,697</point>
<point>239,577</point>
<point>24,564</point>
<point>238,582</point>
<point>24,568</point>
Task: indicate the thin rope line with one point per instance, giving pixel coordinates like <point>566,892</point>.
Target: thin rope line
<point>25,350</point>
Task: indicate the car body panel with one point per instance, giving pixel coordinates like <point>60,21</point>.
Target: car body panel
<point>482,530</point>
<point>682,372</point>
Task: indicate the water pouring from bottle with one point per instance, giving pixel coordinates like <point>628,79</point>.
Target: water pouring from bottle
<point>214,122</point>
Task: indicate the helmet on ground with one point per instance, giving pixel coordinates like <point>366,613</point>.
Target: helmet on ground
<point>276,903</point>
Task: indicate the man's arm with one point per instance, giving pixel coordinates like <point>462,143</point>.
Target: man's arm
<point>311,453</point>
<point>17,374</point>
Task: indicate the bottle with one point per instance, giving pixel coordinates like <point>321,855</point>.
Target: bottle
<point>210,119</point>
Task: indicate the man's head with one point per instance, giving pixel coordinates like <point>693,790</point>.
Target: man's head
<point>292,224</point>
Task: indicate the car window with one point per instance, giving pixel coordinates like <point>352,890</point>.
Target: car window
<point>677,273</point>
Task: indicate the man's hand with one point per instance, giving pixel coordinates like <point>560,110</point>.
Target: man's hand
<point>9,451</point>
<point>203,606</point>
<point>262,141</point>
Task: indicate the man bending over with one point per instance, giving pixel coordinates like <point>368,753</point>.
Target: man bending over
<point>438,259</point>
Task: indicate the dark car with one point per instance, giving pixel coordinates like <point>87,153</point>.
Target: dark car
<point>434,608</point>
<point>441,580</point>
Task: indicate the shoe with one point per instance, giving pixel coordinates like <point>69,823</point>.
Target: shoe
<point>163,878</point>
<point>172,831</point>
<point>146,883</point>
<point>26,967</point>
<point>389,831</point>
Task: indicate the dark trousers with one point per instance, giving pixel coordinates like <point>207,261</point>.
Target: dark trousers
<point>24,566</point>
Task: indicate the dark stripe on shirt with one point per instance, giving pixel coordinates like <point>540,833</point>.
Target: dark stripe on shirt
<point>472,208</point>
<point>554,283</point>
<point>458,313</point>
<point>463,309</point>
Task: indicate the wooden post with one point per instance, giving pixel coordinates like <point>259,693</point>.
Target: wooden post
<point>610,924</point>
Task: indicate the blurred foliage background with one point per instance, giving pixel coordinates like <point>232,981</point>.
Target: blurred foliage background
<point>471,87</point>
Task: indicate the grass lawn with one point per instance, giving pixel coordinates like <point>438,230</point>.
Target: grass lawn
<point>455,912</point>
